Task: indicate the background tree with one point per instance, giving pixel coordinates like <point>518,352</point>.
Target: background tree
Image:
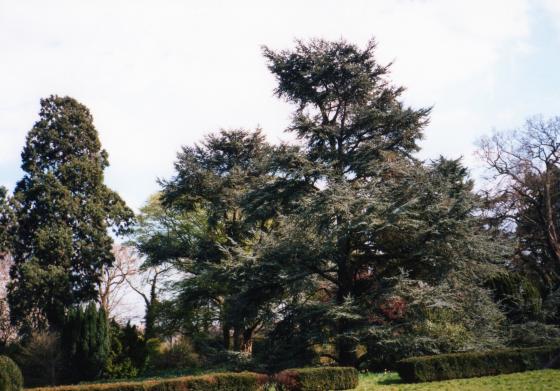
<point>63,212</point>
<point>524,189</point>
<point>524,164</point>
<point>8,332</point>
<point>6,220</point>
<point>113,284</point>
<point>148,285</point>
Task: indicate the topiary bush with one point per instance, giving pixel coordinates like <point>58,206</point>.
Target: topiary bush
<point>317,379</point>
<point>475,364</point>
<point>243,381</point>
<point>10,375</point>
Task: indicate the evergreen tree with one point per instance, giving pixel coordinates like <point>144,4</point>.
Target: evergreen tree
<point>367,209</point>
<point>63,211</point>
<point>206,200</point>
<point>87,343</point>
<point>127,355</point>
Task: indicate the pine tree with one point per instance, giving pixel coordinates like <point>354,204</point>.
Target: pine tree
<point>63,211</point>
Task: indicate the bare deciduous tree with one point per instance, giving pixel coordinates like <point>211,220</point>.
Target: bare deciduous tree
<point>526,178</point>
<point>8,332</point>
<point>148,287</point>
<point>114,281</point>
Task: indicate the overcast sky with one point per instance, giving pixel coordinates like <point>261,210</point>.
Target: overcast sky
<point>160,74</point>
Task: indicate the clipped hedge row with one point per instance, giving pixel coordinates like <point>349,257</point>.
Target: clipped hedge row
<point>300,379</point>
<point>10,375</point>
<point>475,364</point>
<point>243,381</point>
<point>317,379</point>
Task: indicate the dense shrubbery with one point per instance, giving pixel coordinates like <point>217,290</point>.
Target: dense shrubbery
<point>463,365</point>
<point>175,355</point>
<point>317,379</point>
<point>244,381</point>
<point>86,343</point>
<point>533,334</point>
<point>449,317</point>
<point>10,375</point>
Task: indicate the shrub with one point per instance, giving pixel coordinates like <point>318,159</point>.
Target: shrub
<point>243,381</point>
<point>532,334</point>
<point>40,359</point>
<point>177,355</point>
<point>317,379</point>
<point>10,375</point>
<point>463,365</point>
<point>86,342</point>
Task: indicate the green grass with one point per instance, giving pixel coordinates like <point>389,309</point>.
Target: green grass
<point>548,379</point>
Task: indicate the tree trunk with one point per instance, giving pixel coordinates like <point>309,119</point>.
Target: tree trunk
<point>149,320</point>
<point>226,337</point>
<point>237,338</point>
<point>247,343</point>
<point>345,345</point>
<point>243,339</point>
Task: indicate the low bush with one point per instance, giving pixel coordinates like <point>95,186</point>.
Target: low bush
<point>533,334</point>
<point>243,381</point>
<point>168,356</point>
<point>475,364</point>
<point>317,379</point>
<point>10,375</point>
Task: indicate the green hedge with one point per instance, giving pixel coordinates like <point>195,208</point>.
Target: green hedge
<point>317,379</point>
<point>463,365</point>
<point>244,381</point>
<point>10,375</point>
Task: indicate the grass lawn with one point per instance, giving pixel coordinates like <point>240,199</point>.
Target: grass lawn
<point>548,379</point>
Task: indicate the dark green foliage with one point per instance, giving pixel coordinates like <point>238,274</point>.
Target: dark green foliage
<point>533,334</point>
<point>208,234</point>
<point>63,211</point>
<point>244,381</point>
<point>10,375</point>
<point>551,307</point>
<point>40,359</point>
<point>520,297</point>
<point>86,341</point>
<point>133,345</point>
<point>464,365</point>
<point>317,379</point>
<point>125,358</point>
<point>178,355</point>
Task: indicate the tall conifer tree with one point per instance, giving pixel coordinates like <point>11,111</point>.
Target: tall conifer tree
<point>63,211</point>
<point>368,210</point>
